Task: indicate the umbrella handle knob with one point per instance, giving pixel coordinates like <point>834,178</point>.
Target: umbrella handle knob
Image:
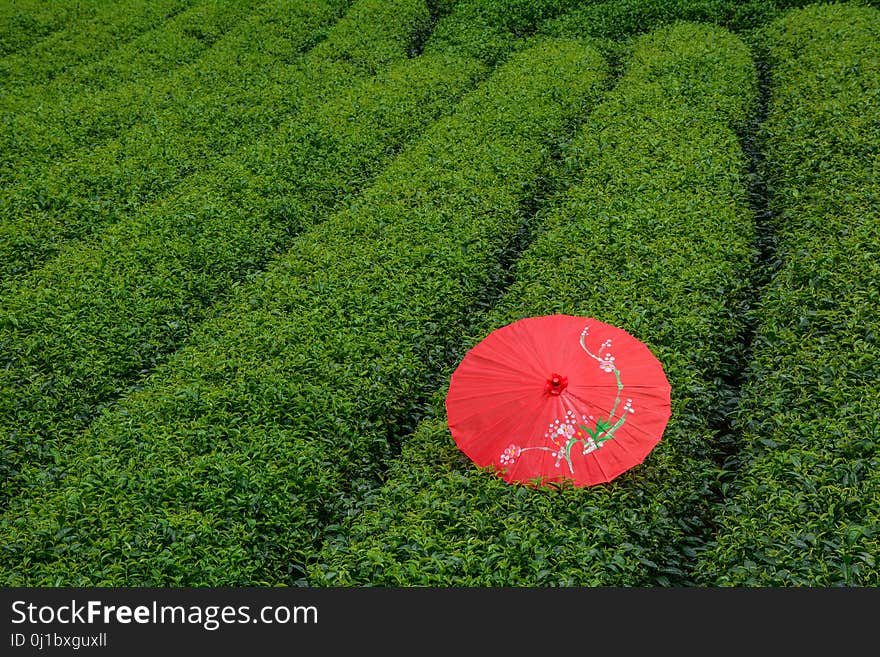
<point>556,384</point>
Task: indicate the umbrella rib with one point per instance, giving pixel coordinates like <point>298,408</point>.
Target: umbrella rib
<point>521,366</point>
<point>533,432</point>
<point>464,418</point>
<point>598,463</point>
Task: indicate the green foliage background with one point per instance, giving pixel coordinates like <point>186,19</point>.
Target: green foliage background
<point>243,245</point>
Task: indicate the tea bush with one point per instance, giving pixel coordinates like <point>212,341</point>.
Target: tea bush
<point>79,329</point>
<point>142,141</point>
<point>101,28</point>
<point>309,370</point>
<point>86,103</point>
<point>24,23</point>
<point>613,19</point>
<point>804,501</point>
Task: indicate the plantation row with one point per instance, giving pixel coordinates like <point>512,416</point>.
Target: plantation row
<point>26,22</point>
<point>101,28</point>
<point>452,147</point>
<point>223,361</point>
<point>805,502</point>
<point>166,132</point>
<point>91,321</point>
<point>654,237</point>
<point>95,319</point>
<point>85,100</point>
<point>612,19</point>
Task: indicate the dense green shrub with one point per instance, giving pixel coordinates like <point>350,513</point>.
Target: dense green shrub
<point>105,28</point>
<point>25,22</point>
<point>77,330</point>
<point>235,457</point>
<point>654,236</point>
<point>804,507</point>
<point>159,134</point>
<point>180,406</point>
<point>87,104</point>
<point>134,294</point>
<point>485,29</point>
<point>618,19</point>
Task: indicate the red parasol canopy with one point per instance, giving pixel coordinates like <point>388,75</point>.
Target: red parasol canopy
<point>558,397</point>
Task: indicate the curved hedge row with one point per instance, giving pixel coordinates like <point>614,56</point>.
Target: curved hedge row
<point>237,93</point>
<point>88,104</point>
<point>806,506</point>
<point>24,23</point>
<point>228,467</point>
<point>112,25</point>
<point>612,19</point>
<point>79,329</point>
<point>484,30</point>
<point>656,237</point>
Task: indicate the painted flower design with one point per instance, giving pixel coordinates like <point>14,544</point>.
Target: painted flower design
<point>590,445</point>
<point>509,455</point>
<point>564,432</point>
<point>590,431</point>
<point>606,364</point>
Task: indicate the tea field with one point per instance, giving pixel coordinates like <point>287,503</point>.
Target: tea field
<point>244,245</point>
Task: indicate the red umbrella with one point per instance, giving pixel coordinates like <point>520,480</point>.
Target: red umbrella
<point>558,397</point>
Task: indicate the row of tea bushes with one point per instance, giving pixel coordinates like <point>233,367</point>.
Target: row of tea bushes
<point>655,237</point>
<point>78,330</point>
<point>24,23</point>
<point>91,322</point>
<point>160,134</point>
<point>612,19</point>
<point>88,89</point>
<point>82,41</point>
<point>806,506</point>
<point>232,462</point>
<point>485,30</point>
